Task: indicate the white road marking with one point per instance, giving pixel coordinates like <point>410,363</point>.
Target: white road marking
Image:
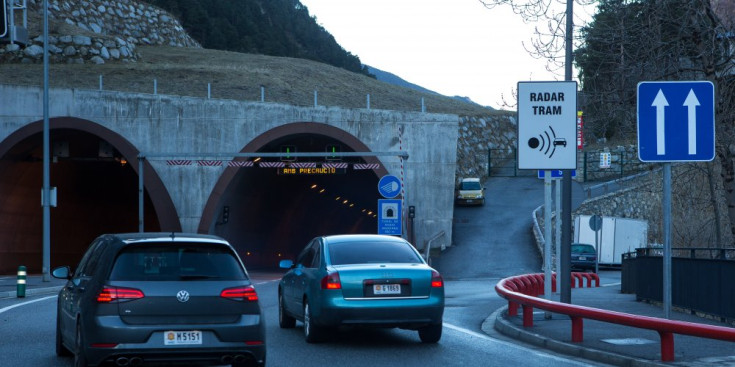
<point>25,303</point>
<point>610,285</point>
<point>511,345</point>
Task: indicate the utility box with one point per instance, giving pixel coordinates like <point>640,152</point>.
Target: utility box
<point>616,237</point>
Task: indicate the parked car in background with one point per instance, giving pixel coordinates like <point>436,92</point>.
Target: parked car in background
<point>150,298</point>
<point>584,257</point>
<point>361,280</point>
<point>470,192</point>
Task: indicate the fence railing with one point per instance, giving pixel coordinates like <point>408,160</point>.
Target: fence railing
<point>712,253</point>
<point>702,284</point>
<point>503,163</point>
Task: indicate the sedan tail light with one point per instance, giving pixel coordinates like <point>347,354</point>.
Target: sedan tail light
<point>331,281</point>
<point>436,279</point>
<point>244,293</point>
<point>112,294</point>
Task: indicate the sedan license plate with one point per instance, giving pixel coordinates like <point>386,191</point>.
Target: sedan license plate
<point>380,289</point>
<point>583,258</point>
<point>192,337</point>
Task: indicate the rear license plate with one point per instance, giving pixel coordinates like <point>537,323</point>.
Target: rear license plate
<point>191,337</point>
<point>379,289</point>
<point>583,258</point>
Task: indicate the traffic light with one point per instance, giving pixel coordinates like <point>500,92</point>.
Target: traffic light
<point>225,214</point>
<point>3,18</point>
<point>334,148</point>
<point>286,150</point>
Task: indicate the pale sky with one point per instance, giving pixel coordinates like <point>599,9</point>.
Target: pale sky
<point>453,47</point>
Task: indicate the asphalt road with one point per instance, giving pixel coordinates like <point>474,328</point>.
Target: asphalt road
<point>492,242</point>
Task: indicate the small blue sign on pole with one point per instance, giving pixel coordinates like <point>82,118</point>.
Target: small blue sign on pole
<point>390,217</point>
<point>555,173</point>
<point>676,121</point>
<point>389,186</point>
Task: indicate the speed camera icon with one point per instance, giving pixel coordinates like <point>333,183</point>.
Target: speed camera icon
<point>546,142</point>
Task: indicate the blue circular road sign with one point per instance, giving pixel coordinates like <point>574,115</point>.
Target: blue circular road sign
<point>389,186</point>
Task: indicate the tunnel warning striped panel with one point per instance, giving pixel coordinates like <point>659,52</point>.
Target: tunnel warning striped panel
<point>178,162</point>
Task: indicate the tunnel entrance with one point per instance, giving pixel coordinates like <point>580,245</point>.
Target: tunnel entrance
<point>97,192</point>
<point>271,213</point>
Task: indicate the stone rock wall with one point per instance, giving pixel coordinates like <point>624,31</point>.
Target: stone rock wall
<point>477,135</point>
<point>96,32</point>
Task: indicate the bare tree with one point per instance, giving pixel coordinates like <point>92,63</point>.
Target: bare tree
<point>630,41</point>
<point>550,15</point>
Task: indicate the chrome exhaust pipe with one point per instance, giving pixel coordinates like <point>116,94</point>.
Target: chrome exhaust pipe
<point>136,361</point>
<point>122,361</point>
<point>239,358</point>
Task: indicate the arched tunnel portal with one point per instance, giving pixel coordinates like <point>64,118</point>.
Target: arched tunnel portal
<point>95,173</point>
<point>269,214</point>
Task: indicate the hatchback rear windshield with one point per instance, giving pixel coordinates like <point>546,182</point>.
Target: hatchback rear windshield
<point>177,261</point>
<point>471,185</point>
<point>344,253</point>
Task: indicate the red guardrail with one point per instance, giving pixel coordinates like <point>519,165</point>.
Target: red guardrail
<point>524,290</point>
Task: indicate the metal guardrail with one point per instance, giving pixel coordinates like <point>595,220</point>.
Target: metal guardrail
<point>524,290</point>
<point>614,185</point>
<point>427,249</point>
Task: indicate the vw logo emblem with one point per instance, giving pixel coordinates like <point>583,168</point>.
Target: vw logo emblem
<point>182,296</point>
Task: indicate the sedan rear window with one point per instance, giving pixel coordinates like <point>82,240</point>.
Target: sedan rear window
<point>344,253</point>
<point>583,249</point>
<point>178,261</point>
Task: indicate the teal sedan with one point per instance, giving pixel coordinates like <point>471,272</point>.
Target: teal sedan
<point>364,281</point>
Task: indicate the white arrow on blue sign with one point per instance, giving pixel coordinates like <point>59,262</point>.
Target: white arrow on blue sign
<point>676,121</point>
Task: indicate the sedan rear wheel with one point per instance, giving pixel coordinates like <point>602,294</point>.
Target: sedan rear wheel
<point>431,333</point>
<point>312,333</point>
<point>284,320</point>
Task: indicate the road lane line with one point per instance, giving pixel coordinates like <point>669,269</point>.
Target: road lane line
<point>25,303</point>
<point>508,344</point>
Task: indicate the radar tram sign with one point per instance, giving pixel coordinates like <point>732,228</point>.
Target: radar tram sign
<point>547,125</point>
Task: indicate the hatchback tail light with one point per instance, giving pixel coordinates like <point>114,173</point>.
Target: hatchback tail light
<point>245,293</point>
<point>331,281</point>
<point>113,294</point>
<point>436,279</point>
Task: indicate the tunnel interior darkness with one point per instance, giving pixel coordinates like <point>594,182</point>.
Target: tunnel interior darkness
<point>269,216</point>
<point>97,192</point>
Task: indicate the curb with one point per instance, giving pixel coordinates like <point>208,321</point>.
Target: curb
<point>508,329</point>
<point>31,292</point>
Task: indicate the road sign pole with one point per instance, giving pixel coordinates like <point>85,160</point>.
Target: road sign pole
<point>558,231</point>
<point>547,238</point>
<point>667,240</point>
<point>565,274</point>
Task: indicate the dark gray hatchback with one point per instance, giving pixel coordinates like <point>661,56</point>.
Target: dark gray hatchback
<point>159,298</point>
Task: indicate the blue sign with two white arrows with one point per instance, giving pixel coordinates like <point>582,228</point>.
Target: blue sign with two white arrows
<point>676,121</point>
